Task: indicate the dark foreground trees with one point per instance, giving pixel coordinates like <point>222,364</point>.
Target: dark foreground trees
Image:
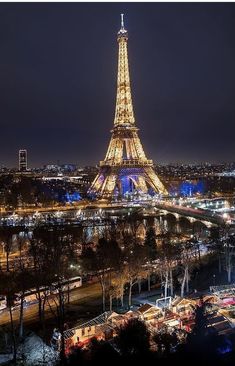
<point>133,339</point>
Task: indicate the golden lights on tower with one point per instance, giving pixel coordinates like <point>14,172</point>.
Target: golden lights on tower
<point>125,157</point>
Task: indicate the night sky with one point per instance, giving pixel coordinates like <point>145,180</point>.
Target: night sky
<point>58,65</point>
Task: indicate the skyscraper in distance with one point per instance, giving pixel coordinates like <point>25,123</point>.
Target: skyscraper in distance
<point>23,163</point>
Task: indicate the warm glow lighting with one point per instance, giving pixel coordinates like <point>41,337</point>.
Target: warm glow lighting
<point>125,166</point>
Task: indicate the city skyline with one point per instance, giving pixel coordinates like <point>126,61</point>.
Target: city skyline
<point>58,87</point>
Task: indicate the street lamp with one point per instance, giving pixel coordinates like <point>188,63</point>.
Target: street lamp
<point>214,279</point>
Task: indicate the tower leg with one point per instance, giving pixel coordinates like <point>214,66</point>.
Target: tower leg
<point>154,181</point>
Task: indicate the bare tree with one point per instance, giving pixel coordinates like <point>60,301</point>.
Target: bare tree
<point>229,253</point>
<point>187,260</point>
<point>134,267</point>
<point>118,283</point>
<point>168,260</point>
<point>6,234</point>
<point>104,262</point>
<point>151,252</point>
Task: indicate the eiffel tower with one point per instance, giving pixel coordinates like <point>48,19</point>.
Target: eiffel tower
<point>125,168</point>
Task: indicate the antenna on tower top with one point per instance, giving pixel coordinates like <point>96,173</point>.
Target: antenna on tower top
<point>122,22</point>
<point>123,31</point>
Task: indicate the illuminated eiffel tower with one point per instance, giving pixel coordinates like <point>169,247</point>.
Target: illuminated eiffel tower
<point>125,168</point>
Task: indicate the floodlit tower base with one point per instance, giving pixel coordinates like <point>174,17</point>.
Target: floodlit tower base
<point>132,179</point>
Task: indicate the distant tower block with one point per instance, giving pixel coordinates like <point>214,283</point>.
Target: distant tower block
<point>23,160</point>
<point>125,168</point>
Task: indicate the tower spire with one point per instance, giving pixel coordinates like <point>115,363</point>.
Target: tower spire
<point>124,114</point>
<point>123,31</point>
<point>122,22</point>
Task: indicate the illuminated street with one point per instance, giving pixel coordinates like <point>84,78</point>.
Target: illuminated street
<point>84,295</point>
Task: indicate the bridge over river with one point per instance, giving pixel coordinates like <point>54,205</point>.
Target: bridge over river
<point>205,216</point>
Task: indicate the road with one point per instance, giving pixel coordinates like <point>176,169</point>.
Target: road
<point>76,206</point>
<point>81,296</point>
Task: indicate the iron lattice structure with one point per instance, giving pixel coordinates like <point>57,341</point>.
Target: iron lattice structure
<point>125,167</point>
